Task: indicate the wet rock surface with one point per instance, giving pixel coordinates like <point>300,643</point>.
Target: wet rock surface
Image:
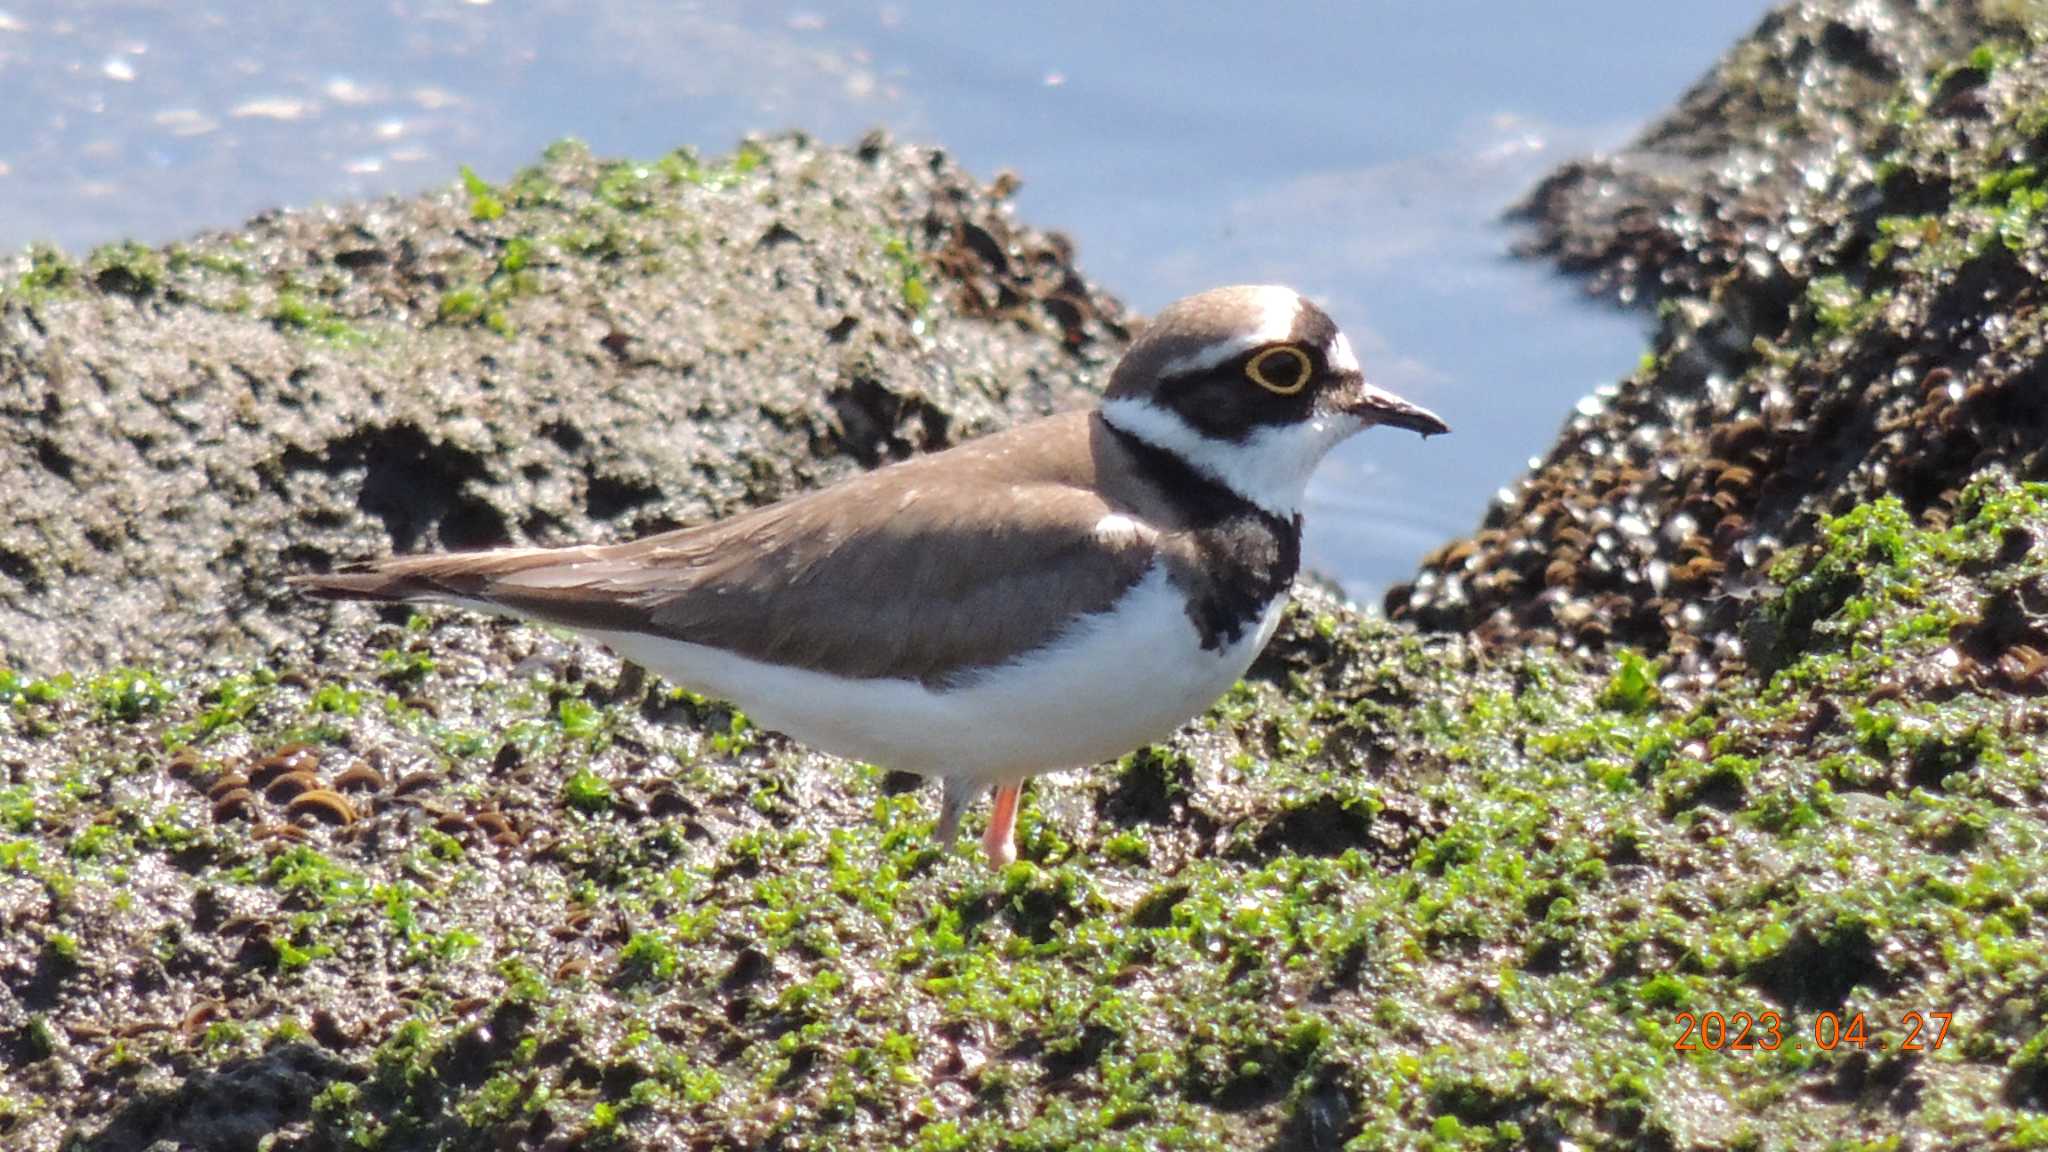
<point>1716,183</point>
<point>596,350</point>
<point>1843,226</point>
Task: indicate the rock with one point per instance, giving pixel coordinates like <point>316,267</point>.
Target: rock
<point>609,349</point>
<point>1851,263</point>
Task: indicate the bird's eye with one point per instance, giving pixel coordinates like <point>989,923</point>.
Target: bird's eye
<point>1283,370</point>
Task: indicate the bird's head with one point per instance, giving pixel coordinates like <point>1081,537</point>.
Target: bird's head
<point>1252,386</point>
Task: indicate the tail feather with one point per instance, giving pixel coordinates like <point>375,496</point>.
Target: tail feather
<point>464,576</point>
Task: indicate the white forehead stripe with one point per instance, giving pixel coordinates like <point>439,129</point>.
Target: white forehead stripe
<point>1342,358</point>
<point>1277,309</point>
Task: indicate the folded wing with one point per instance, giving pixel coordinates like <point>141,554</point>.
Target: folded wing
<point>885,576</point>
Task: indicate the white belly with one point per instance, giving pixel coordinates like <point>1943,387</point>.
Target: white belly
<point>1114,682</point>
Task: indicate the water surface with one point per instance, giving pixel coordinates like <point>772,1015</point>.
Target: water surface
<point>1361,152</point>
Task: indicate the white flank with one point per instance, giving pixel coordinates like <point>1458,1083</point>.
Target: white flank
<point>1270,467</point>
<point>1114,681</point>
<point>1277,309</point>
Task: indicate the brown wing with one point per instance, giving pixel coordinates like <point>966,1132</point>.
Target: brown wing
<point>920,571</point>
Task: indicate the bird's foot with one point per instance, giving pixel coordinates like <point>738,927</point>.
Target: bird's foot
<point>1000,841</point>
<point>960,794</point>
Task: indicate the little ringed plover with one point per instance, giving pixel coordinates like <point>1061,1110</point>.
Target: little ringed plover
<point>1047,597</point>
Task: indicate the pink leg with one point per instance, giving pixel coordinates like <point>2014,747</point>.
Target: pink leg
<point>999,842</point>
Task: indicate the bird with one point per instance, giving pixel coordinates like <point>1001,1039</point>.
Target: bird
<point>1043,598</point>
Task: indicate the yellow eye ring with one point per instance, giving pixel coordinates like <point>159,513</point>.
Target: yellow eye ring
<point>1288,380</point>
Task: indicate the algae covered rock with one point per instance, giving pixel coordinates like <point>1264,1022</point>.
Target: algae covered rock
<point>597,349</point>
<point>1844,224</point>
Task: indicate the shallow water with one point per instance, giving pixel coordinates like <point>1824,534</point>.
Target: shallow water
<point>1361,152</point>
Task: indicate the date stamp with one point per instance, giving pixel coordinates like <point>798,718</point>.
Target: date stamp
<point>1769,1031</point>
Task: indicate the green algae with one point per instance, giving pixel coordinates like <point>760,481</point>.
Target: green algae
<point>129,269</point>
<point>910,275</point>
<point>484,203</point>
<point>296,313</point>
<point>487,303</point>
<point>1474,920</point>
<point>48,273</point>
